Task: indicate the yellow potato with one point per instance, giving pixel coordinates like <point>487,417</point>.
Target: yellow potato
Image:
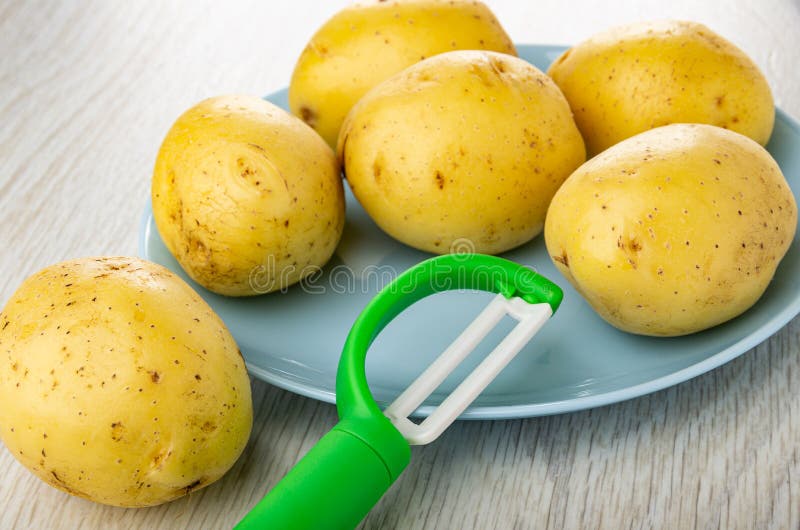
<point>369,42</point>
<point>674,230</point>
<point>246,196</point>
<point>119,384</point>
<point>463,149</point>
<point>629,79</point>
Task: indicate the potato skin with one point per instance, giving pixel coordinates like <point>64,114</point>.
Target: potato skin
<point>368,42</point>
<point>246,196</point>
<point>674,230</point>
<point>119,384</point>
<point>632,78</point>
<point>465,148</point>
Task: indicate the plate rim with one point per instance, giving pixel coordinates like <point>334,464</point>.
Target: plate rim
<point>500,412</point>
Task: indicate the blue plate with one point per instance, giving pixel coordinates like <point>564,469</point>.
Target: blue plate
<point>577,361</point>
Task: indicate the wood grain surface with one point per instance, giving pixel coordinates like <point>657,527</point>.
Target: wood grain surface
<point>88,89</point>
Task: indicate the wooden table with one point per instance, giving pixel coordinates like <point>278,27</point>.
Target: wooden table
<point>88,91</point>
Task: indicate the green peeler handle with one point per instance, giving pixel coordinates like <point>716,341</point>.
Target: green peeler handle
<point>336,483</point>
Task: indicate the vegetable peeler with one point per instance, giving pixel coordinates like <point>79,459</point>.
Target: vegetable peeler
<point>342,477</point>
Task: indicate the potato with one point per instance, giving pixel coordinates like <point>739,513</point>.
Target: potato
<point>119,384</point>
<point>246,196</point>
<point>674,230</point>
<point>369,42</point>
<point>463,149</point>
<point>629,79</point>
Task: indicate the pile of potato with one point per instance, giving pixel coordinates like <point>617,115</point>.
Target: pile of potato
<point>676,223</point>
<point>445,136</point>
<point>679,221</point>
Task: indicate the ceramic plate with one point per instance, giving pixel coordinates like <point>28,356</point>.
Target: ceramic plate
<point>577,361</point>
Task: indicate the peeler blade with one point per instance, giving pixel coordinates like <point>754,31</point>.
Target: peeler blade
<point>530,317</point>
